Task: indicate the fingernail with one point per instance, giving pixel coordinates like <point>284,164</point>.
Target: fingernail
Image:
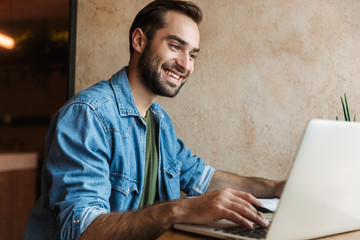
<point>265,222</point>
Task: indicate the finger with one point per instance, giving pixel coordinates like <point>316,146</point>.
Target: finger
<point>262,221</point>
<point>245,209</point>
<point>248,197</point>
<point>246,220</point>
<point>237,218</point>
<point>238,202</point>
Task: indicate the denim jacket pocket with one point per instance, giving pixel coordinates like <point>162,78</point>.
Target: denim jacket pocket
<point>173,171</point>
<point>123,183</point>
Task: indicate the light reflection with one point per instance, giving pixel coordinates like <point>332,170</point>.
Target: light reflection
<point>6,41</point>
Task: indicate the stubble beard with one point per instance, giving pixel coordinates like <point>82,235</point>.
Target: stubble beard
<point>151,78</point>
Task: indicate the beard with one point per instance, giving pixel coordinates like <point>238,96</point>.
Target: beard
<point>151,78</point>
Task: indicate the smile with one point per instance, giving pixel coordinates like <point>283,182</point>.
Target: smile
<point>172,74</point>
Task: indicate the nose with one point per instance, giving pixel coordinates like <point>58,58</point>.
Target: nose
<point>184,62</point>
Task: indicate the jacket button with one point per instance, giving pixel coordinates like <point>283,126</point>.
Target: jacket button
<point>76,221</point>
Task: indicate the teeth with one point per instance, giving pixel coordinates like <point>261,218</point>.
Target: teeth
<point>172,74</point>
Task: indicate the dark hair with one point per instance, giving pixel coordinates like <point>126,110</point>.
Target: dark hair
<point>151,18</point>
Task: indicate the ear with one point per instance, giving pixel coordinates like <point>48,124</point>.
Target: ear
<point>138,40</point>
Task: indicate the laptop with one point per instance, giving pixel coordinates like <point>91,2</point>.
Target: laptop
<point>322,193</point>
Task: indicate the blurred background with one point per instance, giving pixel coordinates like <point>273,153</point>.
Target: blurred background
<point>33,85</point>
<point>33,74</point>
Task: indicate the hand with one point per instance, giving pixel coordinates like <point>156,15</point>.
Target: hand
<point>226,203</point>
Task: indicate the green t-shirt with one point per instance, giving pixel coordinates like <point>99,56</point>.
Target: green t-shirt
<point>151,164</point>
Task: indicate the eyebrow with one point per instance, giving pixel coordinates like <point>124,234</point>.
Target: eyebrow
<point>181,41</point>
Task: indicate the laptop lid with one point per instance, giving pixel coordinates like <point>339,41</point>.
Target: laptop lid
<point>322,193</point>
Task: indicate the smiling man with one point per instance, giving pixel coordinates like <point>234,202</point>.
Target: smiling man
<point>177,69</point>
<point>162,64</point>
<point>114,166</point>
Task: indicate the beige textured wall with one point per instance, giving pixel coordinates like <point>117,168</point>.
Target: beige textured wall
<point>265,69</point>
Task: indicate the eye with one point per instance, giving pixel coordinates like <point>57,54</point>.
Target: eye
<point>193,55</point>
<point>174,46</point>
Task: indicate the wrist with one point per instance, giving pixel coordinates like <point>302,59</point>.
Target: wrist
<point>177,211</point>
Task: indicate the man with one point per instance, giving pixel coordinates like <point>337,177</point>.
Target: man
<point>114,167</point>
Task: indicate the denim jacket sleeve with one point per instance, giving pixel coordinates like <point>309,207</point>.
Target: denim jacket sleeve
<point>195,175</point>
<point>77,166</point>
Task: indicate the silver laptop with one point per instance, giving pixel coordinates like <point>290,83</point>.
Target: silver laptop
<point>322,193</point>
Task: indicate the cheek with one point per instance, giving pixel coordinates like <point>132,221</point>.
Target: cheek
<point>192,68</point>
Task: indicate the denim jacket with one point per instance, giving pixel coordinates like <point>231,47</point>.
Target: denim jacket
<point>95,153</point>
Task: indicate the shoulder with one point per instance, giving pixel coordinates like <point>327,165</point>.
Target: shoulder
<point>92,106</point>
<point>93,96</point>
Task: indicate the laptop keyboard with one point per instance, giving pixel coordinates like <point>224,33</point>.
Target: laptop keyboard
<point>257,232</point>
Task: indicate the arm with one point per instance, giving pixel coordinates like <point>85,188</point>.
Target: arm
<point>231,202</point>
<point>75,176</point>
<point>150,222</point>
<point>146,223</point>
<point>259,187</point>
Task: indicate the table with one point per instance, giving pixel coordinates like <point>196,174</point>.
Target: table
<point>173,234</point>
<point>18,186</point>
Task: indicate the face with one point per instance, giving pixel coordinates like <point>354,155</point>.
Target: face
<point>168,59</point>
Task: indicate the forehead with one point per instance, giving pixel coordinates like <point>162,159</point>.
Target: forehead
<point>182,26</point>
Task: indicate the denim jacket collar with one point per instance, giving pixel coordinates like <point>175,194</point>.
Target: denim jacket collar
<point>125,99</point>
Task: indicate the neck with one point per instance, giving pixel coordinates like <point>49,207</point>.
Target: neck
<point>142,96</point>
